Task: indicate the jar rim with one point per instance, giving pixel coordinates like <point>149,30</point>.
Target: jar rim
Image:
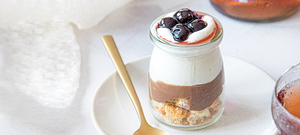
<point>154,36</point>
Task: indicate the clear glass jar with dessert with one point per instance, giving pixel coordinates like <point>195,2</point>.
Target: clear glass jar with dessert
<point>186,77</point>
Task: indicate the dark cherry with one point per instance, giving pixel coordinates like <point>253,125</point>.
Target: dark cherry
<point>180,32</point>
<point>185,15</point>
<point>196,25</point>
<point>167,22</point>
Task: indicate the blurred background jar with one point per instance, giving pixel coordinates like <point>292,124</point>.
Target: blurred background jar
<point>256,10</point>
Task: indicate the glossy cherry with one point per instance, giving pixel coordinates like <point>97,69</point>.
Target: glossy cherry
<point>197,25</point>
<point>185,15</point>
<point>180,32</point>
<point>167,22</point>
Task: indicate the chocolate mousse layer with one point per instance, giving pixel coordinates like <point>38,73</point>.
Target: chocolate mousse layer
<point>199,96</point>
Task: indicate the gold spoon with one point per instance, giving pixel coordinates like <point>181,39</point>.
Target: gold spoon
<point>145,128</point>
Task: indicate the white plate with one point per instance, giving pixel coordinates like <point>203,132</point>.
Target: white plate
<point>248,92</point>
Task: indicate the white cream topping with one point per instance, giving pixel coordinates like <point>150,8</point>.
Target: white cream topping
<point>166,34</point>
<point>193,37</point>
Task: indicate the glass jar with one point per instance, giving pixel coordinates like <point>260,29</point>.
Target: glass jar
<point>186,81</point>
<point>285,99</point>
<point>256,10</point>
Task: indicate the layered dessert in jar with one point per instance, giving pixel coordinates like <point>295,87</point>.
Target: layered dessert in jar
<point>186,74</point>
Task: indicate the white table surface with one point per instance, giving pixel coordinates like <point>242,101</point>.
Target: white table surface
<point>274,47</point>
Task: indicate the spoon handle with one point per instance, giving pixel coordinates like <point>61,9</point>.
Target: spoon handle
<point>113,52</point>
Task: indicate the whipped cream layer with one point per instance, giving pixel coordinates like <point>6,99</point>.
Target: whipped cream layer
<point>186,71</point>
<point>166,33</point>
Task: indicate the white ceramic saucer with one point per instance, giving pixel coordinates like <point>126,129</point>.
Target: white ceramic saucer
<point>248,92</point>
